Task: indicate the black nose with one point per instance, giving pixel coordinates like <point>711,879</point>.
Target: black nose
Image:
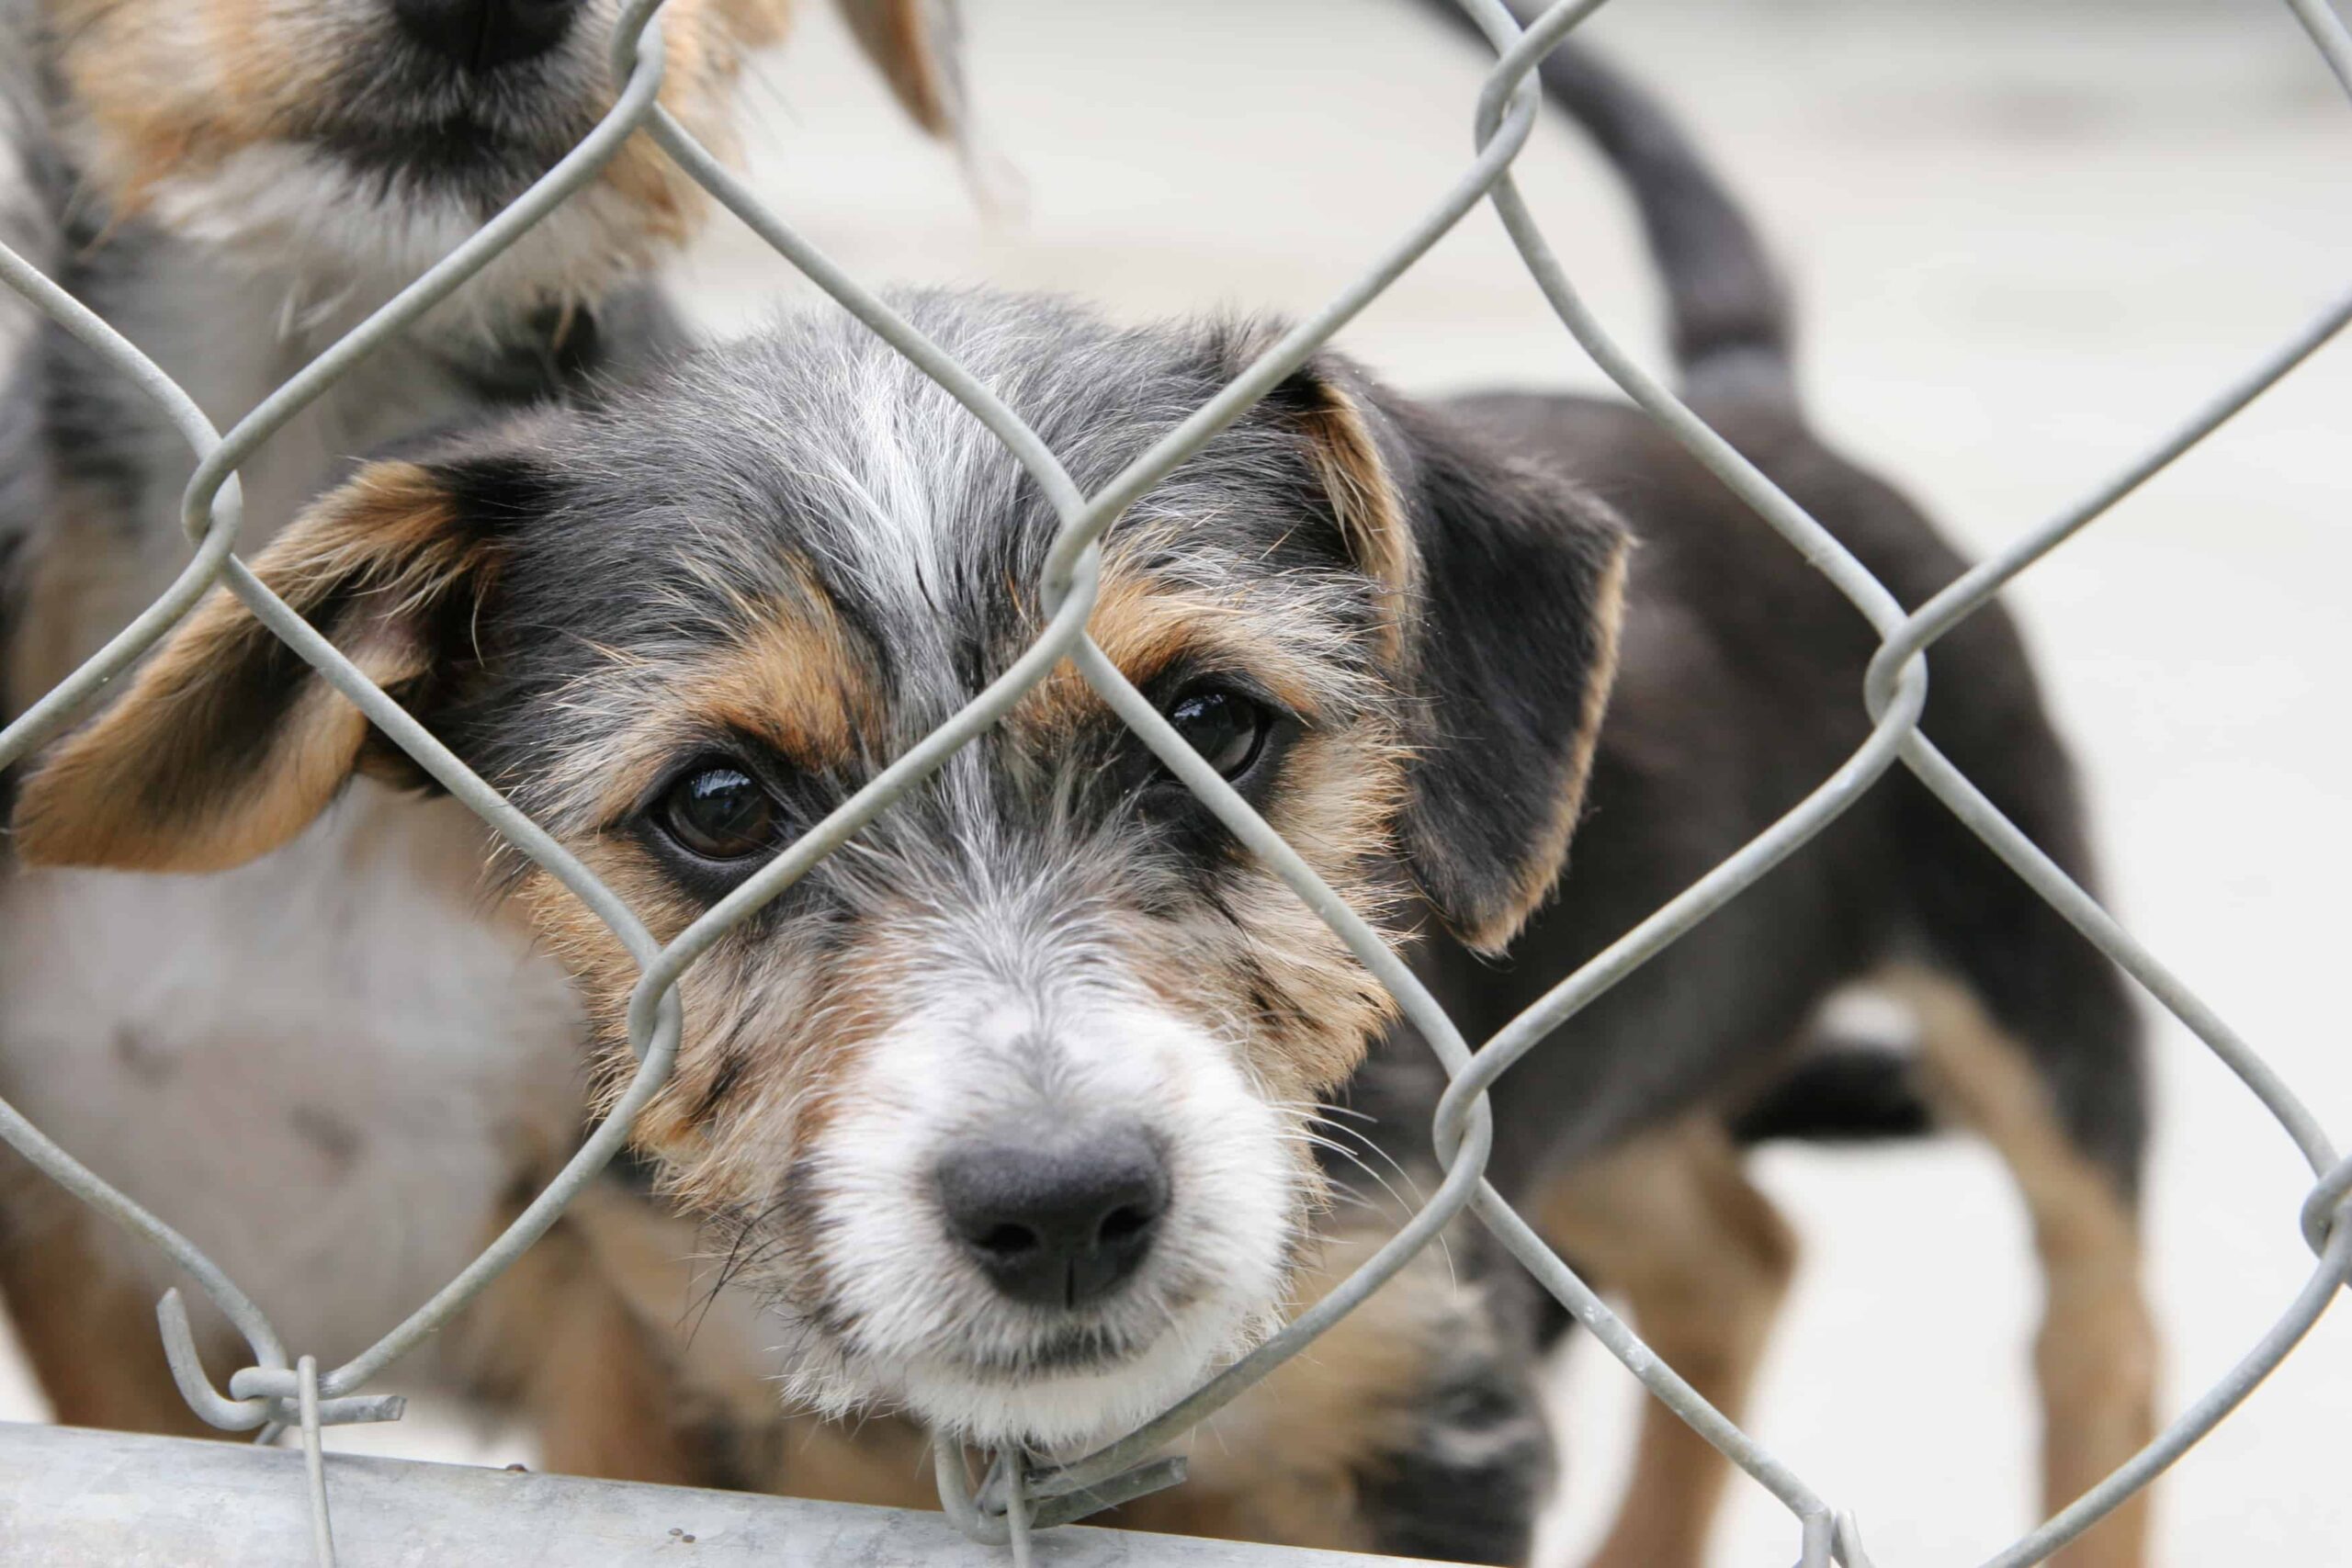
<point>483,35</point>
<point>1057,1223</point>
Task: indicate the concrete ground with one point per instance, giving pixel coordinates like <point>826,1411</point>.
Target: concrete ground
<point>2027,238</point>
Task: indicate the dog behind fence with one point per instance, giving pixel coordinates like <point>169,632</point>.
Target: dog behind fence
<point>286,1389</point>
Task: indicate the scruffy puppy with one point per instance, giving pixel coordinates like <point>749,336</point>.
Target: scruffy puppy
<point>331,1068</point>
<point>1012,1100</point>
<point>1012,1095</point>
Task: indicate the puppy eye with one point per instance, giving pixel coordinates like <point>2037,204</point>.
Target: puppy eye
<point>718,813</point>
<point>1226,729</point>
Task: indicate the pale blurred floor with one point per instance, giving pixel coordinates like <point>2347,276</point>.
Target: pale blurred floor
<point>2026,244</point>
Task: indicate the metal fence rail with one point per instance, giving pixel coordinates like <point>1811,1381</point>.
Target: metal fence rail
<point>136,1501</point>
<point>282,1389</point>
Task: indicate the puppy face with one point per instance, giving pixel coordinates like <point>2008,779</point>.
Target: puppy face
<point>363,140</point>
<point>1005,1100</point>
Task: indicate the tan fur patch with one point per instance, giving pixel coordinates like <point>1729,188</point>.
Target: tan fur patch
<point>156,87</point>
<point>1144,625</point>
<point>792,679</point>
<point>173,90</point>
<point>795,683</point>
<point>1336,792</point>
<point>702,48</point>
<point>88,1331</point>
<point>1280,1464</point>
<point>2096,1355</point>
<point>782,1039</point>
<point>1365,496</point>
<point>596,1381</point>
<point>899,37</point>
<point>658,1262</point>
<point>1264,968</point>
<point>95,799</point>
<point>1704,1261</point>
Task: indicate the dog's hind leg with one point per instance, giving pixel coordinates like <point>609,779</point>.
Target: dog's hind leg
<point>2095,1356</point>
<point>1703,1260</point>
<point>2028,1037</point>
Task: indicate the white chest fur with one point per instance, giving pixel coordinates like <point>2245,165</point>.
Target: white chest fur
<point>324,1068</point>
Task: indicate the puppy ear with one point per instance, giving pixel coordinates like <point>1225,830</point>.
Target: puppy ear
<point>918,45</point>
<point>1515,622</point>
<point>226,743</point>
<point>1509,582</point>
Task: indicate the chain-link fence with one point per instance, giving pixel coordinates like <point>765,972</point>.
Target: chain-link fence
<point>283,1389</point>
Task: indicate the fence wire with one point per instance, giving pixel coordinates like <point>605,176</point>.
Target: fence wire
<point>1019,1495</point>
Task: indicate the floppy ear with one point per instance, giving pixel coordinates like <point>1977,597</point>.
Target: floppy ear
<point>1509,582</point>
<point>226,743</point>
<point>918,45</point>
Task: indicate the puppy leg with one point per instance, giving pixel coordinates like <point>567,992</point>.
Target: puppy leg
<point>2096,1355</point>
<point>1704,1261</point>
<point>719,1348</point>
<point>88,1330</point>
<point>556,1337</point>
<point>1413,1428</point>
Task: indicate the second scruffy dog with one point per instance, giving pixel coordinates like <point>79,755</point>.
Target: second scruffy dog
<point>333,1067</point>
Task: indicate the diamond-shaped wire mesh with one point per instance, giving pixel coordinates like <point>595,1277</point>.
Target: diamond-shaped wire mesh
<point>279,1390</point>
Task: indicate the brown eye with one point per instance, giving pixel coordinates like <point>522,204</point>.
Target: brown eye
<point>1227,729</point>
<point>718,813</point>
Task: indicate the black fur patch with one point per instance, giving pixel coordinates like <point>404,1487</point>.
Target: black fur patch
<point>1470,1486</point>
<point>1849,1094</point>
<point>1511,629</point>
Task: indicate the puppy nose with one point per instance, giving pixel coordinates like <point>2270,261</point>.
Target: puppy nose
<point>1057,1223</point>
<point>483,35</point>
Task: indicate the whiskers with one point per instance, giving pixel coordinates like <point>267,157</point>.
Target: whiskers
<point>753,1243</point>
<point>1320,1129</point>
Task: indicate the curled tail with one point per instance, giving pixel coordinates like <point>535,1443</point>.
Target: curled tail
<point>1728,314</point>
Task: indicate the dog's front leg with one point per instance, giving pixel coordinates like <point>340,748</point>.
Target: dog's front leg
<point>1413,1428</point>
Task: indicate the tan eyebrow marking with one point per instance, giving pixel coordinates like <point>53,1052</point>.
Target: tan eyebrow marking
<point>1145,625</point>
<point>795,680</point>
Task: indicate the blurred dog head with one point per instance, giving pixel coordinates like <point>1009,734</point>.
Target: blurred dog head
<point>1009,1099</point>
<point>354,143</point>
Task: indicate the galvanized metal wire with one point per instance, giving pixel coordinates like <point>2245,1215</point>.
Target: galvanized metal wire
<point>1020,1495</point>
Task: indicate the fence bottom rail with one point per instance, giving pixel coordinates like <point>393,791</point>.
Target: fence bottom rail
<point>71,1498</point>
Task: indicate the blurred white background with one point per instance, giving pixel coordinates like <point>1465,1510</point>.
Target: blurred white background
<point>2026,240</point>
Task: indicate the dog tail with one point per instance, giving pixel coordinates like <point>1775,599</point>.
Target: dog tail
<point>1728,313</point>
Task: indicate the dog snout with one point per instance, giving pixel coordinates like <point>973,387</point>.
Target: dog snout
<point>1060,1222</point>
<point>484,35</point>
